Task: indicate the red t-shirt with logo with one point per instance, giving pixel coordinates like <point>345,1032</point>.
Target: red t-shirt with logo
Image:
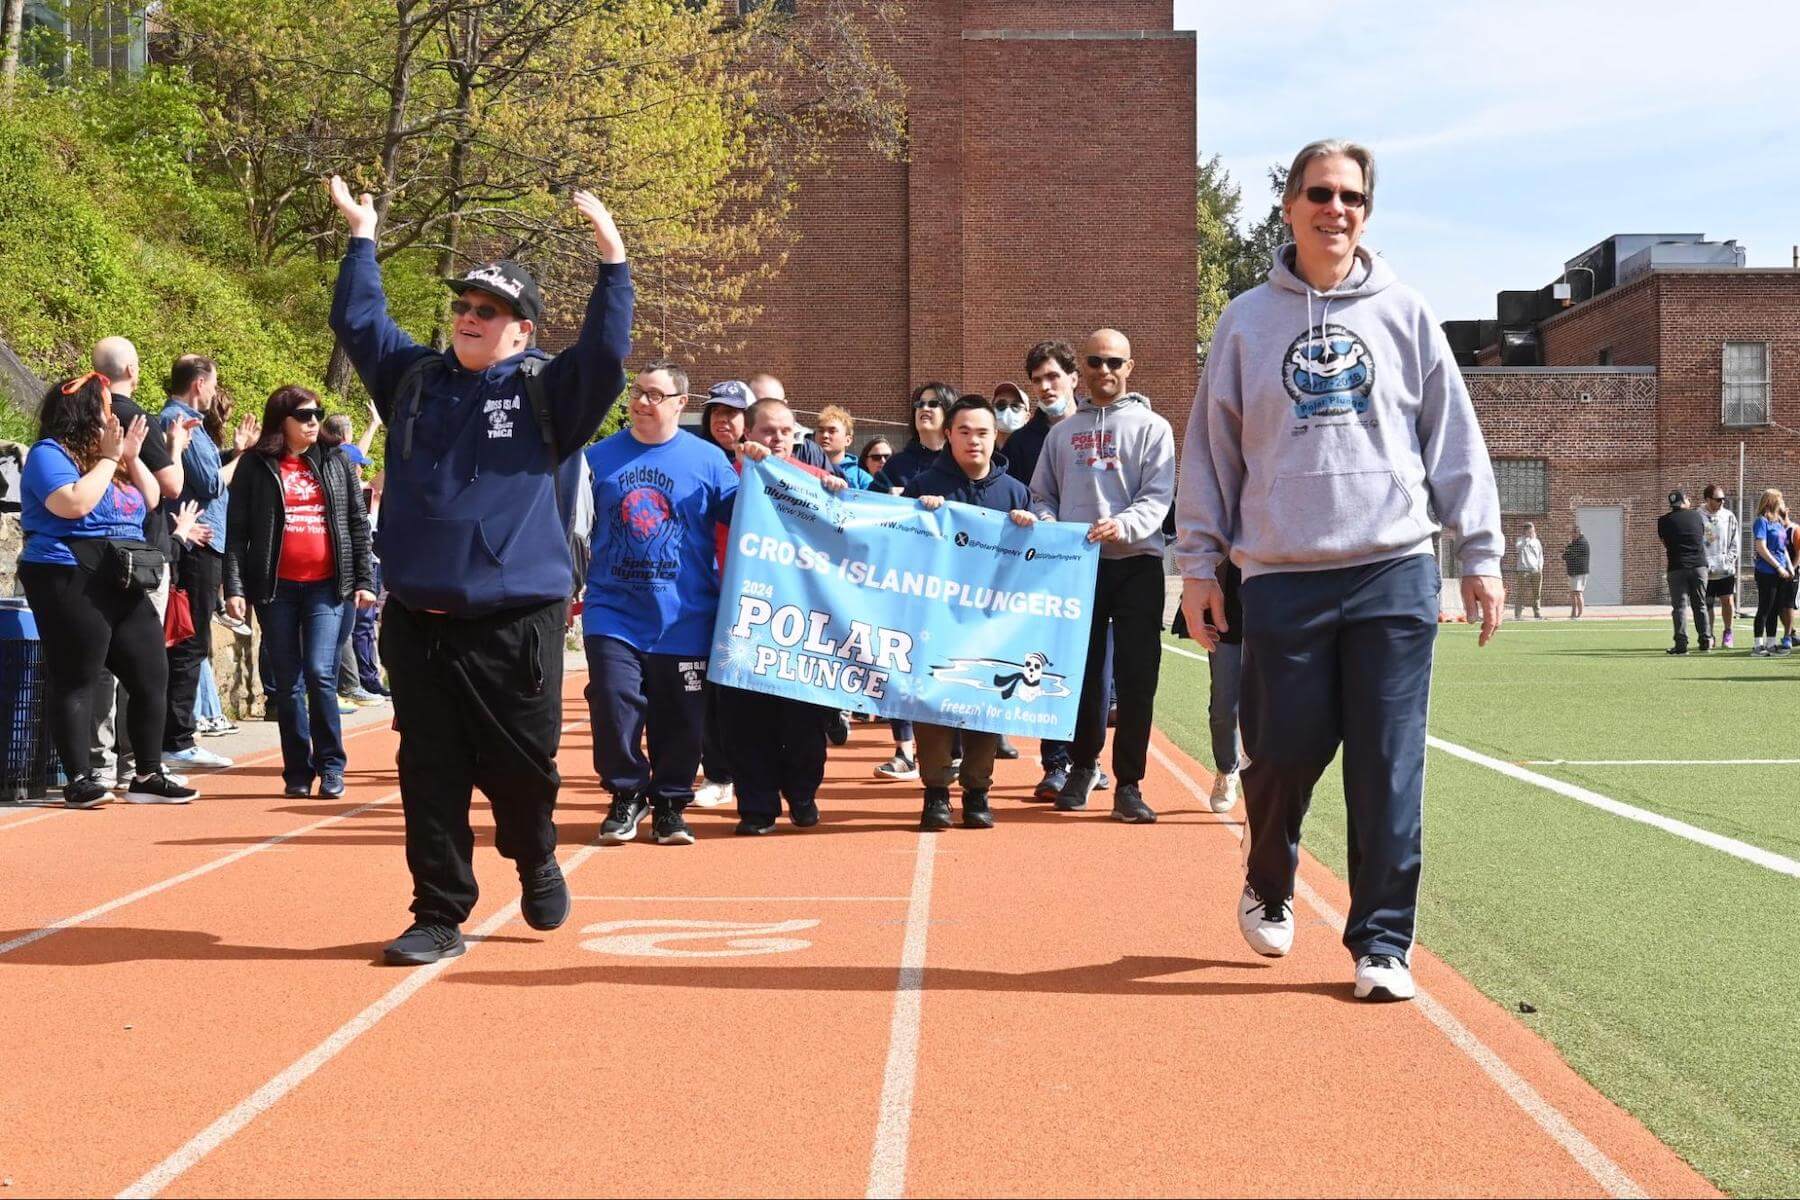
<point>305,550</point>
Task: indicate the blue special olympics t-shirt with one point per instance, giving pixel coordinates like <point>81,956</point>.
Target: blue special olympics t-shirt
<point>653,582</point>
<point>120,513</point>
<point>1772,534</point>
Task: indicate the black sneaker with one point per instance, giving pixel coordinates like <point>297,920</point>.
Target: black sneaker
<point>838,731</point>
<point>936,815</point>
<point>1705,645</point>
<point>423,944</point>
<point>669,829</point>
<point>1005,749</point>
<point>803,813</point>
<point>1129,806</point>
<point>976,813</point>
<point>627,812</point>
<point>297,791</point>
<point>331,787</point>
<point>1678,648</point>
<point>84,791</point>
<point>1051,785</point>
<point>158,789</point>
<point>1075,789</point>
<point>543,895</point>
<point>754,826</point>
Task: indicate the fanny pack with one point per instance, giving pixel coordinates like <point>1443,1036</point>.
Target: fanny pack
<point>125,564</point>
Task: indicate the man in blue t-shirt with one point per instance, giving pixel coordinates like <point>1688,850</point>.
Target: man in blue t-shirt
<point>652,592</point>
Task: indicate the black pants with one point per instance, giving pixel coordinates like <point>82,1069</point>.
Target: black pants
<point>777,749</point>
<point>1687,589</point>
<point>1768,603</point>
<point>198,572</point>
<point>478,703</point>
<point>715,755</point>
<point>634,697</point>
<point>1128,600</point>
<point>86,626</point>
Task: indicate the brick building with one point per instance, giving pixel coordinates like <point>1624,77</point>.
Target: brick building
<point>1657,374</point>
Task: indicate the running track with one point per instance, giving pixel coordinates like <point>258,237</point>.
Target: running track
<point>1062,1005</point>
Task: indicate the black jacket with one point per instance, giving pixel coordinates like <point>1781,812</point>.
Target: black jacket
<point>257,515</point>
<point>1575,556</point>
<point>1023,447</point>
<point>1683,534</point>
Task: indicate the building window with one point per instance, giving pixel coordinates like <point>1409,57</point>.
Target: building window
<point>1604,358</point>
<point>1524,485</point>
<point>1744,390</point>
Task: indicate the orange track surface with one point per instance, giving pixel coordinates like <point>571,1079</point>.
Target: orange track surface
<point>1087,1018</point>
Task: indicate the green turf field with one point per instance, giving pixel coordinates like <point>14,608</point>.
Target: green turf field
<point>1667,972</point>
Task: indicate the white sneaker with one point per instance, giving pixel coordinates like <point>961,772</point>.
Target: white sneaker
<point>1225,792</point>
<point>1267,925</point>
<point>1383,977</point>
<point>712,795</point>
<point>196,756</point>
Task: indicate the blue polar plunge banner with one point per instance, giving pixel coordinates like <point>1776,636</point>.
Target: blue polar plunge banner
<point>875,604</point>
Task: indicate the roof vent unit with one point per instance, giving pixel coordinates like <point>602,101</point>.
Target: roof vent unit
<point>1521,348</point>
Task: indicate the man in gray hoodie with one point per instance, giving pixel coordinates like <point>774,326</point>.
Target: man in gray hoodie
<point>1330,437</point>
<point>1112,465</point>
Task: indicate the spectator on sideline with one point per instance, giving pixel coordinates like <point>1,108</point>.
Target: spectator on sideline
<point>1012,412</point>
<point>874,457</point>
<point>1528,563</point>
<point>84,494</point>
<point>660,495</point>
<point>834,429</point>
<point>483,443</point>
<point>1112,466</point>
<point>1050,366</point>
<point>777,744</point>
<point>1774,567</point>
<point>1723,547</point>
<point>1330,425</point>
<point>1683,534</point>
<point>969,472</point>
<point>1790,587</point>
<point>297,550</point>
<point>1576,558</point>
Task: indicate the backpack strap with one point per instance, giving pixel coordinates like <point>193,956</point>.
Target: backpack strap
<point>533,371</point>
<point>408,396</point>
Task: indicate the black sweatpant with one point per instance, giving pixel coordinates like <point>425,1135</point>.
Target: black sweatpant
<point>777,749</point>
<point>715,755</point>
<point>1128,597</point>
<point>1768,604</point>
<point>86,626</point>
<point>478,703</point>
<point>198,571</point>
<point>631,693</point>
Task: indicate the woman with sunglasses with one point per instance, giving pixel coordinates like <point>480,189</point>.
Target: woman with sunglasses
<point>875,455</point>
<point>930,404</point>
<point>297,549</point>
<point>85,485</point>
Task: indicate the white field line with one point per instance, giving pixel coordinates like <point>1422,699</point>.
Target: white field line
<point>887,1164</point>
<point>1604,1171</point>
<point>752,899</point>
<point>1660,762</point>
<point>33,820</point>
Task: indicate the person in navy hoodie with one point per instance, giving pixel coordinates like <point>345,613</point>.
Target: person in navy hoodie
<point>474,551</point>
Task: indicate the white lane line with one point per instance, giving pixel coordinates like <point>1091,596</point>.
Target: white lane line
<point>1184,653</point>
<point>1604,1171</point>
<point>1660,762</point>
<point>271,1093</point>
<point>33,820</point>
<point>754,899</point>
<point>887,1164</point>
<point>1767,859</point>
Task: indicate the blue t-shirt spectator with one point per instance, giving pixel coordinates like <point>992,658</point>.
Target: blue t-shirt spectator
<point>653,582</point>
<point>1773,534</point>
<point>120,513</point>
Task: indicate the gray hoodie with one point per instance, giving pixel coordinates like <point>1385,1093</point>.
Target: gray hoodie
<point>1331,430</point>
<point>1114,461</point>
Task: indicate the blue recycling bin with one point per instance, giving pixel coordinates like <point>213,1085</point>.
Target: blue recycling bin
<point>30,767</point>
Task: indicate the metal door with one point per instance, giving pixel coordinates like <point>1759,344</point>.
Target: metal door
<point>1605,529</point>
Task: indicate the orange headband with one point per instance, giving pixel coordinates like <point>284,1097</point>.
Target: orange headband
<point>75,385</point>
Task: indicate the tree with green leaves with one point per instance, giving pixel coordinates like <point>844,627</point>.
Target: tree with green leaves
<point>1231,261</point>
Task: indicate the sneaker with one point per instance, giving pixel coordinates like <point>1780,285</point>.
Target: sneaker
<point>331,787</point>
<point>1051,785</point>
<point>1787,639</point>
<point>422,944</point>
<point>803,813</point>
<point>1383,977</point>
<point>898,767</point>
<point>975,810</point>
<point>231,623</point>
<point>1102,781</point>
<point>297,791</point>
<point>345,708</point>
<point>158,789</point>
<point>221,727</point>
<point>1676,650</point>
<point>1268,925</point>
<point>1780,651</point>
<point>1129,806</point>
<point>84,791</point>
<point>543,895</point>
<point>754,826</point>
<point>1005,749</point>
<point>122,779</point>
<point>196,756</point>
<point>1726,641</point>
<point>1225,792</point>
<point>627,812</point>
<point>936,814</point>
<point>1074,794</point>
<point>363,698</point>
<point>838,731</point>
<point>1760,652</point>
<point>1705,645</point>
<point>669,829</point>
<point>712,795</point>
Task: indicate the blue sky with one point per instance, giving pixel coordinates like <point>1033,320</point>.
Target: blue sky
<point>1511,136</point>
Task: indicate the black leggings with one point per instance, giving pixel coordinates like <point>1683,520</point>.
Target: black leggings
<point>85,625</point>
<point>1768,603</point>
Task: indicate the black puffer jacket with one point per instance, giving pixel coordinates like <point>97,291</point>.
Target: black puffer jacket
<point>257,516</point>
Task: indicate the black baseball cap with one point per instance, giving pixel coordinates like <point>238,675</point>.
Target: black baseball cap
<point>504,280</point>
<point>1677,498</point>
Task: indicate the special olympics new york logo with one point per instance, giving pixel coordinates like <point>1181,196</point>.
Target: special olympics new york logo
<point>1328,372</point>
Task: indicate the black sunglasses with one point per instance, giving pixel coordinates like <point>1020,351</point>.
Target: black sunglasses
<point>874,455</point>
<point>1111,363</point>
<point>306,416</point>
<point>1350,196</point>
<point>486,312</point>
<point>919,404</point>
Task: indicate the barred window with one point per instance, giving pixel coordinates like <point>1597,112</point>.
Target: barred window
<point>1524,485</point>
<point>1744,384</point>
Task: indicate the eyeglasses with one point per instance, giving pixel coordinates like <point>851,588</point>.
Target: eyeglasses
<point>486,312</point>
<point>1110,362</point>
<point>1350,196</point>
<point>306,416</point>
<point>880,457</point>
<point>653,396</point>
<point>920,405</point>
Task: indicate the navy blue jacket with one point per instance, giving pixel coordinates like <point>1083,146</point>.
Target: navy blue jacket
<point>1024,447</point>
<point>470,522</point>
<point>996,490</point>
<point>908,461</point>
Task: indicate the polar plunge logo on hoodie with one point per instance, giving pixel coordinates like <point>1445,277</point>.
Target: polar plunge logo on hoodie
<point>1329,372</point>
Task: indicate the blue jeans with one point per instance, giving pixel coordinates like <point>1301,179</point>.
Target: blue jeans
<point>1226,668</point>
<point>206,696</point>
<point>300,633</point>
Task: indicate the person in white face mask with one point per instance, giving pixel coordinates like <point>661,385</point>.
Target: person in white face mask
<point>1051,368</point>
<point>1011,411</point>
